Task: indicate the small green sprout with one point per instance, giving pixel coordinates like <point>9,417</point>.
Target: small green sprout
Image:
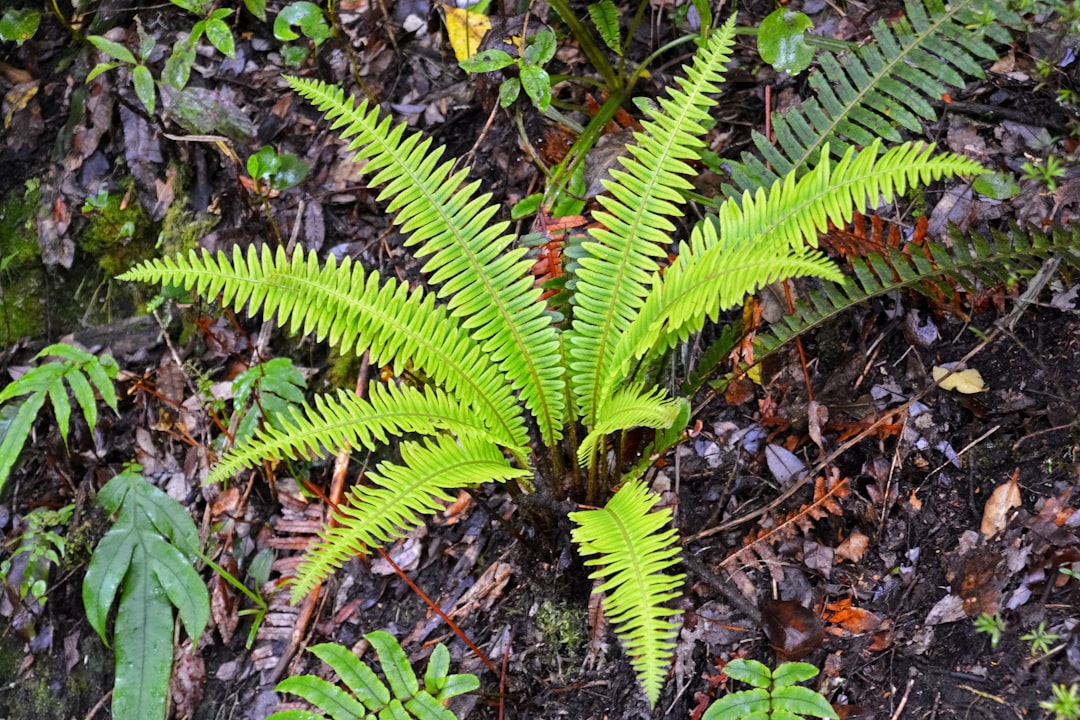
<point>1041,639</point>
<point>1066,703</point>
<point>992,625</point>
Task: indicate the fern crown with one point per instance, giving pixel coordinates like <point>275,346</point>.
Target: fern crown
<point>497,363</point>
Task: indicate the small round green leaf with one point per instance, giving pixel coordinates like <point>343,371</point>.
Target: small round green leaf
<point>996,186</point>
<point>509,91</point>
<point>537,85</point>
<point>540,48</point>
<point>781,41</point>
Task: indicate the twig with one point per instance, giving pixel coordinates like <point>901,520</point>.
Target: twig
<point>903,700</point>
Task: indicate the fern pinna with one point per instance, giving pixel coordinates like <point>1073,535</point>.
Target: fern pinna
<point>493,355</point>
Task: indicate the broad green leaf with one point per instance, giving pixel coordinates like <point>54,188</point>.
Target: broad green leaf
<point>357,676</point>
<point>605,17</point>
<point>782,42</point>
<point>437,668</point>
<point>256,8</point>
<point>112,49</point>
<point>19,25</point>
<point>322,694</point>
<point>537,85</point>
<point>540,48</point>
<point>741,705</point>
<point>395,664</point>
<point>308,16</point>
<point>101,68</point>
<point>487,61</point>
<point>425,707</point>
<point>15,431</point>
<point>996,186</point>
<point>178,67</point>
<point>144,86</point>
<point>147,42</point>
<point>528,206</point>
<point>221,37</point>
<point>61,407</point>
<point>790,673</point>
<point>192,6</point>
<point>143,643</point>
<point>185,589</point>
<point>801,701</point>
<point>458,685</point>
<point>750,672</point>
<point>107,568</point>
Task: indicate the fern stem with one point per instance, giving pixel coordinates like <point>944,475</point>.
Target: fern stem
<point>589,45</point>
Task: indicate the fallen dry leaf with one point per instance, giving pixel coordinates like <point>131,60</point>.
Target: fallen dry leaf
<point>465,29</point>
<point>1004,498</point>
<point>967,381</point>
<point>853,547</point>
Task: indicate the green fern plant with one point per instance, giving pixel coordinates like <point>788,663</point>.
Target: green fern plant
<point>367,696</point>
<point>76,369</point>
<point>886,86</point>
<point>774,694</point>
<point>970,262</point>
<point>513,395</point>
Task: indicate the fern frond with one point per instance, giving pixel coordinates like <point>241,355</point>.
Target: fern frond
<point>614,278</point>
<point>633,552</point>
<point>344,418</point>
<point>885,86</point>
<point>796,210</point>
<point>970,261</point>
<point>766,238</point>
<point>630,407</point>
<point>402,495</point>
<point>486,283</point>
<point>350,308</point>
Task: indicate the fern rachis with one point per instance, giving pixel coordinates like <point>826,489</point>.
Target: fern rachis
<point>493,354</point>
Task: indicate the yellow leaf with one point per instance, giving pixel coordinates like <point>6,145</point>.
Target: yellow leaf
<point>466,30</point>
<point>965,381</point>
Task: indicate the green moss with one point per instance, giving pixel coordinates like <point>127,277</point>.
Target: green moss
<point>22,279</point>
<point>562,625</point>
<point>48,690</point>
<point>181,227</point>
<point>119,233</point>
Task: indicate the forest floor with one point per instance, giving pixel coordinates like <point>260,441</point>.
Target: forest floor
<point>866,541</point>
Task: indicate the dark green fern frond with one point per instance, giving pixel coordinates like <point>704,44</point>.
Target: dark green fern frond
<point>630,407</point>
<point>887,85</point>
<point>347,306</point>
<point>971,262</point>
<point>485,282</point>
<point>402,496</point>
<point>614,278</point>
<point>344,418</point>
<point>634,551</point>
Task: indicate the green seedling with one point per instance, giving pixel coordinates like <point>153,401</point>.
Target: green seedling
<point>774,694</point>
<point>1041,639</point>
<point>1047,171</point>
<point>1066,702</point>
<point>121,56</point>
<point>82,372</point>
<point>367,696</point>
<point>41,549</point>
<point>312,22</point>
<point>532,77</point>
<point>992,625</point>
